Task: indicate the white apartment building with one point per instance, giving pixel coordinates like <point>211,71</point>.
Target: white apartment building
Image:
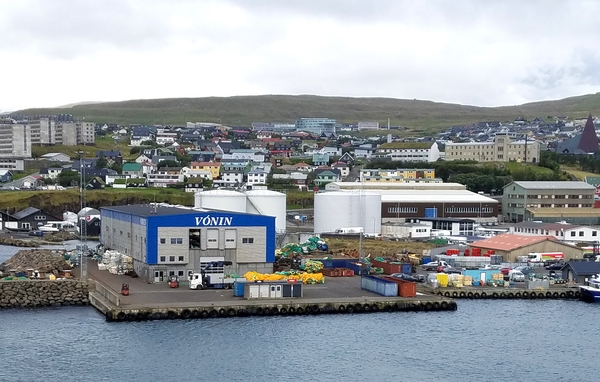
<point>15,140</point>
<point>408,151</point>
<point>502,149</point>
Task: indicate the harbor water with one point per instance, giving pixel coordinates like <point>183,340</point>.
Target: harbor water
<point>484,340</point>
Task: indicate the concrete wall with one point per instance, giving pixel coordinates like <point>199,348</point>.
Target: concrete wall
<point>34,293</point>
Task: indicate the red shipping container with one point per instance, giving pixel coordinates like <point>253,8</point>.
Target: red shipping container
<point>405,288</point>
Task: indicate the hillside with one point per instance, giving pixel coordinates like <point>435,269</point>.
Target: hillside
<point>416,115</point>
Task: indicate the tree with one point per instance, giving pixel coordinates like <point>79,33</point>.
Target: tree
<point>167,163</point>
<point>101,162</point>
<point>117,167</point>
<point>68,178</point>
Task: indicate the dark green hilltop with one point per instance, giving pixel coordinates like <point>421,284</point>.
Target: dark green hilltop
<point>415,115</point>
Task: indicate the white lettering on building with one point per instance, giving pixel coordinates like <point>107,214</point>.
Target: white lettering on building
<point>213,221</point>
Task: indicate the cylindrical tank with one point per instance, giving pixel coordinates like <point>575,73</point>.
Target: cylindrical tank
<point>339,209</point>
<point>268,203</point>
<point>224,200</point>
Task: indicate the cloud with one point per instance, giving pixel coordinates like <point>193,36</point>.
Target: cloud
<point>468,52</point>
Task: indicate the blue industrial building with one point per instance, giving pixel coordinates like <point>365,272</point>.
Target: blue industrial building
<point>165,240</point>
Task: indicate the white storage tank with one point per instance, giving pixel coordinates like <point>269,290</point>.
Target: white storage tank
<point>224,200</point>
<point>268,203</point>
<point>339,209</point>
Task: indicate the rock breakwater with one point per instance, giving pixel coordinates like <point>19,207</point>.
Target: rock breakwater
<point>39,293</point>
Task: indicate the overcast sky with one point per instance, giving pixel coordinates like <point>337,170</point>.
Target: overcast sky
<point>476,52</point>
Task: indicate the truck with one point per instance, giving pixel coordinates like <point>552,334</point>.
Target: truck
<point>545,257</point>
<point>212,276</point>
<point>434,265</point>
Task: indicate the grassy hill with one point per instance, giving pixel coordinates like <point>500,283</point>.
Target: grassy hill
<point>416,115</point>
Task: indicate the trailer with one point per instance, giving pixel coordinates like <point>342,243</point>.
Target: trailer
<point>212,276</point>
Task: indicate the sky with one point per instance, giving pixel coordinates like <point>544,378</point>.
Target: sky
<point>481,53</point>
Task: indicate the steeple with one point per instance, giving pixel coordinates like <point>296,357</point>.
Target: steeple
<point>589,140</point>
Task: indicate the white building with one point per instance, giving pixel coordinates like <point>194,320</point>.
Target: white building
<point>257,176</point>
<point>406,230</point>
<point>408,151</point>
<point>561,231</point>
<point>368,126</point>
<point>165,138</point>
<point>15,140</point>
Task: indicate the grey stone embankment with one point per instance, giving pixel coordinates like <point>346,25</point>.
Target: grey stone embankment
<point>39,293</point>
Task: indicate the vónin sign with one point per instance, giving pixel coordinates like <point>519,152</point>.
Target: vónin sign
<point>211,221</point>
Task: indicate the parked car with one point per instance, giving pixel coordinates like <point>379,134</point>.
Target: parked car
<point>555,266</point>
<point>526,270</point>
<point>406,277</point>
<point>434,265</point>
<point>493,267</point>
<point>515,275</point>
<point>450,270</point>
<point>36,233</point>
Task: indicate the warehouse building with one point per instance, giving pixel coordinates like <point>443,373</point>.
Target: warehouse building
<point>549,201</point>
<point>166,240</point>
<point>511,246</point>
<point>406,202</point>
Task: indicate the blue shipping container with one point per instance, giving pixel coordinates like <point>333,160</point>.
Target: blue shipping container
<point>359,270</point>
<point>426,260</point>
<point>379,286</point>
<point>238,288</point>
<point>335,263</point>
<point>407,268</point>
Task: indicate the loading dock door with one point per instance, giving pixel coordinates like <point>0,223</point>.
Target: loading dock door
<point>212,239</point>
<point>230,238</point>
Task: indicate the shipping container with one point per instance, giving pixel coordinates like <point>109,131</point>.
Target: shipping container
<point>359,269</point>
<point>379,286</point>
<point>405,288</point>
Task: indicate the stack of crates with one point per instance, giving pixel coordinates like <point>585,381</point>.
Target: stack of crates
<point>468,281</point>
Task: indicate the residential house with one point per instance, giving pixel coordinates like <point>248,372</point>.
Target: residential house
<point>156,159</point>
<point>139,135</point>
<point>214,168</point>
<point>303,167</point>
<point>343,167</point>
<point>143,158</point>
<point>51,172</point>
<point>297,178</point>
<point>5,176</point>
<point>332,151</point>
<point>324,176</point>
<point>281,149</point>
<point>257,176</point>
<point>320,160</point>
<point>28,219</point>
<point>111,156</point>
<point>346,158</point>
<point>133,170</point>
<point>194,185</point>
<point>95,184</point>
<point>110,179</point>
<point>202,174</point>
<point>56,157</point>
<point>102,173</point>
<point>166,138</point>
<point>408,151</point>
<point>84,163</point>
<point>248,154</point>
<point>165,176</point>
<point>224,147</point>
<point>365,150</point>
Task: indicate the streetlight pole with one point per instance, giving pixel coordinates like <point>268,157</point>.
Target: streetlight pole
<point>82,222</point>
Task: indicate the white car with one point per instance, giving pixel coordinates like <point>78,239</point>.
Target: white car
<point>516,275</point>
<point>489,266</point>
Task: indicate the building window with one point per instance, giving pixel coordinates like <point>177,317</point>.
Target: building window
<point>163,240</point>
<point>120,232</point>
<point>580,233</point>
<point>180,258</point>
<point>572,233</point>
<point>247,240</point>
<point>163,259</point>
<point>129,235</point>
<point>194,239</point>
<point>171,258</point>
<point>180,273</point>
<point>594,233</point>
